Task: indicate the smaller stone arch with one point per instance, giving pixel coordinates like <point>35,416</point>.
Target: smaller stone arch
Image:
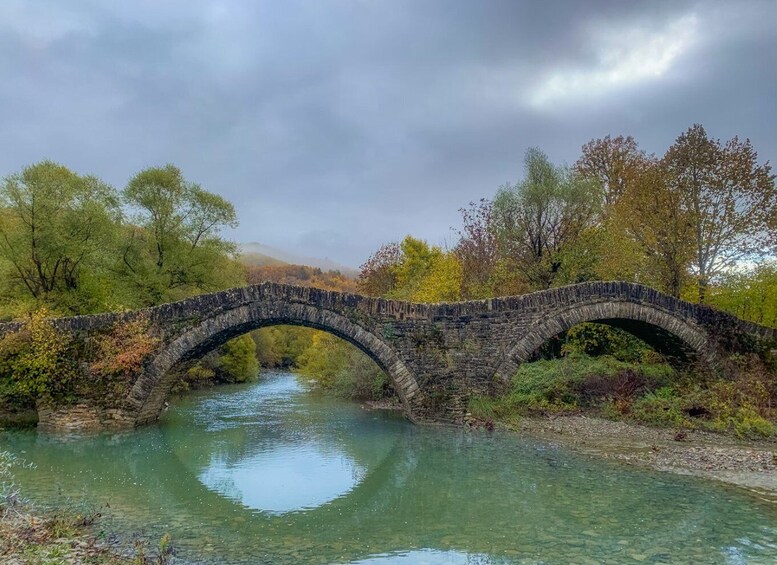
<point>152,388</point>
<point>668,333</point>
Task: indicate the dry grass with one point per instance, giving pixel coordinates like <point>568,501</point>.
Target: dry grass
<point>30,535</point>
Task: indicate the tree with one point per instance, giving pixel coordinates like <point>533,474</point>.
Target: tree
<point>377,275</point>
<point>773,232</point>
<point>425,273</point>
<point>176,248</point>
<point>650,213</point>
<point>750,294</point>
<point>537,218</point>
<point>342,369</point>
<point>477,249</point>
<point>612,163</point>
<point>55,227</point>
<point>300,275</point>
<point>237,360</point>
<point>412,270</point>
<point>442,280</point>
<point>730,199</point>
<point>618,247</point>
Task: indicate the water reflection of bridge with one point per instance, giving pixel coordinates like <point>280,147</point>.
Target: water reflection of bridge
<point>447,489</point>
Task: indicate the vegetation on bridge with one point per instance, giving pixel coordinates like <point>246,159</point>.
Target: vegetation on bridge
<point>36,364</point>
<point>645,390</point>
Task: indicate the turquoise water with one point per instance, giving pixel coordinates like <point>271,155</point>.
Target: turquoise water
<point>272,473</point>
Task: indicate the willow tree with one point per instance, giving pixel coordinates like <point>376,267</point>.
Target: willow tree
<point>539,218</point>
<point>729,197</point>
<point>56,228</point>
<point>174,247</point>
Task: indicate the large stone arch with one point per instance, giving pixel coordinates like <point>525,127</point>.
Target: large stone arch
<point>675,336</point>
<point>151,389</point>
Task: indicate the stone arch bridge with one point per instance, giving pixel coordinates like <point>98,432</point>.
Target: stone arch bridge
<point>436,355</point>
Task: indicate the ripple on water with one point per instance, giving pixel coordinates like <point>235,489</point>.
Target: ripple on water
<point>268,473</point>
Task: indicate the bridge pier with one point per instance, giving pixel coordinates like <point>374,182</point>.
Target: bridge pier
<point>83,417</point>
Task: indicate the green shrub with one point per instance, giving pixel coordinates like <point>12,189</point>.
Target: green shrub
<point>237,361</point>
<point>36,362</point>
<point>342,370</point>
<point>661,407</point>
<point>647,390</point>
<point>743,406</point>
<point>572,383</point>
<point>482,408</point>
<point>579,380</point>
<point>594,339</point>
<point>195,377</point>
<point>749,423</point>
<point>281,346</point>
<point>360,379</point>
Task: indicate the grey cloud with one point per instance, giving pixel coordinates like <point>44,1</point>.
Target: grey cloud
<point>337,126</point>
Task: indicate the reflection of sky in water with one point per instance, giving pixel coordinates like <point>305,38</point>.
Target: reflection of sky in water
<point>284,479</point>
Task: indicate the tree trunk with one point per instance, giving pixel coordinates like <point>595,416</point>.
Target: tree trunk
<point>674,289</point>
<point>702,290</point>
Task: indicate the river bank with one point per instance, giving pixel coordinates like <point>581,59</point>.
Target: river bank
<point>749,464</point>
<point>27,537</point>
<point>74,532</point>
<point>60,536</point>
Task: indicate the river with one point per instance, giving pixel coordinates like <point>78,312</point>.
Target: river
<point>271,472</point>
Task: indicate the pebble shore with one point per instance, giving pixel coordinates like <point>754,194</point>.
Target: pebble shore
<point>748,464</point>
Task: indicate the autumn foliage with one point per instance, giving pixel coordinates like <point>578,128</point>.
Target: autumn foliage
<point>412,270</point>
<point>300,275</point>
<point>122,351</point>
<point>686,223</point>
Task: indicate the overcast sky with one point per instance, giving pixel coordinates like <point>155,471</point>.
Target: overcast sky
<point>337,126</point>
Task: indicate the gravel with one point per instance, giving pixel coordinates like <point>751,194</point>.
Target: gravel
<point>748,464</point>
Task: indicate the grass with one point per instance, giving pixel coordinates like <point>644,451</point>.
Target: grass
<point>63,535</point>
<point>648,392</point>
